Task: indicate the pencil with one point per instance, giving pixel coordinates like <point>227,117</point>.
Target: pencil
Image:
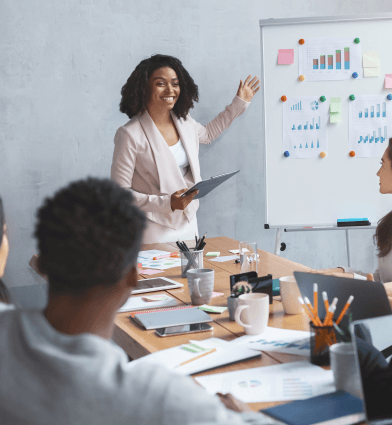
<point>307,311</point>
<point>197,357</point>
<point>331,311</point>
<point>315,300</point>
<point>326,303</point>
<point>349,301</point>
<point>318,321</point>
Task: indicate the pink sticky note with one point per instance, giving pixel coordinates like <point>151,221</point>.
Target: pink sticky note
<point>388,81</point>
<point>285,56</point>
<point>150,271</point>
<point>217,294</point>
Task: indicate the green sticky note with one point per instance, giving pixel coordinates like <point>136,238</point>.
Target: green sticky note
<point>335,117</point>
<point>212,309</point>
<point>212,254</point>
<point>336,104</point>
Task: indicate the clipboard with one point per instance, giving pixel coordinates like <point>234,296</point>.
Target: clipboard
<point>206,186</point>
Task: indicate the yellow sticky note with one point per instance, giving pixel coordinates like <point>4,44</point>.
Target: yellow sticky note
<point>371,60</point>
<point>371,72</point>
<point>335,117</point>
<point>336,104</point>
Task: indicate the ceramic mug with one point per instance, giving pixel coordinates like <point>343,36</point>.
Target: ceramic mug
<point>200,285</point>
<point>345,372</point>
<point>289,294</point>
<point>254,310</point>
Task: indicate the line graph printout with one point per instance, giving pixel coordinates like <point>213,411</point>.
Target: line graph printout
<point>332,58</point>
<point>305,121</point>
<point>369,125</point>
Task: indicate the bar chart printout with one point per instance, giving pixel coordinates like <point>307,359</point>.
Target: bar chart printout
<point>368,126</point>
<point>304,126</point>
<point>334,58</point>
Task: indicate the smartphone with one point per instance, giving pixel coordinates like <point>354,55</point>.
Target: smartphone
<point>184,329</point>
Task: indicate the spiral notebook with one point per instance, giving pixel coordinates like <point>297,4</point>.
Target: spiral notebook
<point>176,316</point>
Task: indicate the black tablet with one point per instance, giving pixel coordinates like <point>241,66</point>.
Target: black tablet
<point>204,187</point>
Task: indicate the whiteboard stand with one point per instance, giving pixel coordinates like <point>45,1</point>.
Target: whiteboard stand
<point>281,246</point>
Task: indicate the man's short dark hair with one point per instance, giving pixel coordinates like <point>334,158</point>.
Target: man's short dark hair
<point>88,233</point>
<point>135,92</point>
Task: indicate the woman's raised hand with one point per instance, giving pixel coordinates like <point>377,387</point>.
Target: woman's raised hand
<point>180,203</point>
<point>247,90</point>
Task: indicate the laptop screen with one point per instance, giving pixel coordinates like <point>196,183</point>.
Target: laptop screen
<point>372,339</point>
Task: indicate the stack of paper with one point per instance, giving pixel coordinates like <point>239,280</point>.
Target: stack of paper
<point>146,258</point>
<point>289,381</point>
<point>147,302</point>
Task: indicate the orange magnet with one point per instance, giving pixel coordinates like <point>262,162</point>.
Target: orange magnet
<point>301,41</point>
<point>283,98</point>
<point>301,77</point>
<point>352,154</point>
<point>323,154</point>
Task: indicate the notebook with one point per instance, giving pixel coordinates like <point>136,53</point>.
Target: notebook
<point>338,408</point>
<point>163,318</point>
<point>137,303</point>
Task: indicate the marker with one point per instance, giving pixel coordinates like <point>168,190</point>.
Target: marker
<point>349,301</point>
<point>197,357</point>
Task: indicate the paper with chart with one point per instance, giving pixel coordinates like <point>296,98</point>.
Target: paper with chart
<point>146,258</point>
<point>278,340</point>
<point>305,121</point>
<point>330,58</point>
<point>369,125</point>
<point>288,381</point>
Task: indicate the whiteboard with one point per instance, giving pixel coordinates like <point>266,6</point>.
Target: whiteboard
<point>316,191</point>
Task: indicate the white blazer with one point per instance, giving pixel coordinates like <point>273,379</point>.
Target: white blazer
<point>144,164</point>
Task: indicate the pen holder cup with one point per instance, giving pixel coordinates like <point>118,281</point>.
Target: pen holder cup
<point>321,338</point>
<point>191,260</point>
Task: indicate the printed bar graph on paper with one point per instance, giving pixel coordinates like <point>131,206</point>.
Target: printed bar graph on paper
<point>330,62</point>
<point>346,58</point>
<point>315,63</point>
<point>306,125</point>
<point>375,111</point>
<point>338,59</point>
<point>322,62</point>
<point>297,106</point>
<point>373,138</point>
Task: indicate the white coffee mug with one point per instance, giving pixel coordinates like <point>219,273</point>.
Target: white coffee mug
<point>200,285</point>
<point>289,294</point>
<point>254,310</point>
<point>345,372</point>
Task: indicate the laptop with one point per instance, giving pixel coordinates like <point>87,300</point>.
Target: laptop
<point>370,298</point>
<point>372,340</point>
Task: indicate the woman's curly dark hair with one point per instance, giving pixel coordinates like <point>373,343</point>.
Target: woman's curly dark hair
<point>135,93</point>
<point>383,236</point>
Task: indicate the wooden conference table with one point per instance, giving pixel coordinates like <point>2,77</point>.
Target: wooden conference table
<point>138,342</point>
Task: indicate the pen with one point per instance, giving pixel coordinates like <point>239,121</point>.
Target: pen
<point>202,239</point>
<point>315,300</point>
<point>349,301</point>
<point>197,357</point>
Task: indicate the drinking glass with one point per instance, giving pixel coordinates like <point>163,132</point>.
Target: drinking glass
<point>248,256</point>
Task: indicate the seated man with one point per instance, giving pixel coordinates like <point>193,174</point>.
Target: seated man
<point>58,366</point>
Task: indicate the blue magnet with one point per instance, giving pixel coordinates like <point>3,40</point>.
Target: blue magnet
<point>355,74</point>
<point>287,154</point>
<point>389,97</point>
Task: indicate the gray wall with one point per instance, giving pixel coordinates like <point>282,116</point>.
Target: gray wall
<point>62,65</point>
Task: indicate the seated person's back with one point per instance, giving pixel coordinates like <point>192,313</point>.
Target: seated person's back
<point>58,366</point>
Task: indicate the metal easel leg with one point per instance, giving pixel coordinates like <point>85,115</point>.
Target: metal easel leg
<point>277,242</point>
<point>348,248</point>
